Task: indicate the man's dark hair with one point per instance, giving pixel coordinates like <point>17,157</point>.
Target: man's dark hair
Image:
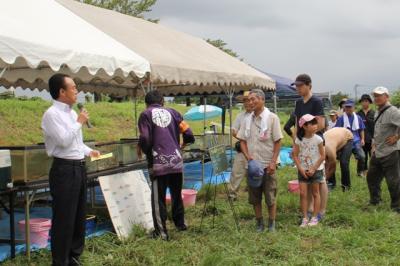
<point>56,83</point>
<point>154,97</point>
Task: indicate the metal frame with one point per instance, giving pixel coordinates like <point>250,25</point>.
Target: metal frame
<point>11,196</point>
<point>30,194</point>
<point>230,92</point>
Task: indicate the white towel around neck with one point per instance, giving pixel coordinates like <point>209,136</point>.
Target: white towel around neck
<point>346,122</point>
<point>264,123</point>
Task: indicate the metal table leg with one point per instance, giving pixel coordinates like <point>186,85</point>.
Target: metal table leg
<point>12,223</point>
<point>27,227</point>
<point>92,196</point>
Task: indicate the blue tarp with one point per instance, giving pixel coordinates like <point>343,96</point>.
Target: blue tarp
<point>193,170</point>
<point>285,156</point>
<point>36,212</point>
<point>193,178</point>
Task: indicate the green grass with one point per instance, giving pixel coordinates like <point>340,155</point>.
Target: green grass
<point>352,233</point>
<point>20,121</point>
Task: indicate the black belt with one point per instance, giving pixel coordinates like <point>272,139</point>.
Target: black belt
<point>69,161</point>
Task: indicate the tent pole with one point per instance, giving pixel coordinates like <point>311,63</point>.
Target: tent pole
<point>204,141</point>
<point>204,115</point>
<point>135,93</point>
<point>275,103</point>
<point>231,92</point>
<point>135,115</point>
<point>223,119</point>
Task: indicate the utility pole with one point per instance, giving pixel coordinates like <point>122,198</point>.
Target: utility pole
<point>355,91</point>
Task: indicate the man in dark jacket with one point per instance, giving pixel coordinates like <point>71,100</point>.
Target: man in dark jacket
<point>367,116</point>
<point>160,130</point>
<point>289,124</point>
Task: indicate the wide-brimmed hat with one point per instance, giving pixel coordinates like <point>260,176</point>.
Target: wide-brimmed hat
<point>243,96</point>
<point>365,97</point>
<point>255,173</point>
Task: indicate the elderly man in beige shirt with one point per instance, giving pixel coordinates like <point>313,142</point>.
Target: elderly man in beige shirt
<point>260,136</point>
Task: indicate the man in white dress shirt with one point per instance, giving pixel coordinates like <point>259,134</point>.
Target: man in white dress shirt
<point>62,128</point>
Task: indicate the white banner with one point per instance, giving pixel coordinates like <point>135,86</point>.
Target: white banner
<point>128,199</point>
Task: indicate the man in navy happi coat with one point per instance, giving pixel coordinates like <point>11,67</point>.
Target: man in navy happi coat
<point>160,130</point>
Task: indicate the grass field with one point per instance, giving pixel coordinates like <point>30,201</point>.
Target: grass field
<point>352,233</point>
<point>20,121</point>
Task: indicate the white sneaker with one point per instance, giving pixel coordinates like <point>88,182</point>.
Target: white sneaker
<point>304,222</point>
<point>313,221</point>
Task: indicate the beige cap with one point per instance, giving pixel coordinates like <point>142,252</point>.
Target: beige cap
<point>381,90</point>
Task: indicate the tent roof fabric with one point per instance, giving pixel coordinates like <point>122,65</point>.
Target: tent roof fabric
<point>280,79</point>
<point>42,37</point>
<point>283,87</point>
<point>175,57</point>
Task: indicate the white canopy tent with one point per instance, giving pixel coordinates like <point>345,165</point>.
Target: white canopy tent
<point>175,57</point>
<point>39,38</point>
<point>180,63</point>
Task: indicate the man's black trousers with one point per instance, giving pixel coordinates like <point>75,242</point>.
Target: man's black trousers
<point>68,189</point>
<point>158,192</point>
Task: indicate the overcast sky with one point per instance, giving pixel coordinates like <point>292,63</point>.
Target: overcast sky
<point>339,43</point>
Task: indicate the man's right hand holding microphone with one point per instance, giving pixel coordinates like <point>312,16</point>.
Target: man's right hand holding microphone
<point>83,118</point>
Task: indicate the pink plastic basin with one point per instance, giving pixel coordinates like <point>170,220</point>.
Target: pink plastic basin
<point>189,197</point>
<point>39,230</point>
<point>293,186</point>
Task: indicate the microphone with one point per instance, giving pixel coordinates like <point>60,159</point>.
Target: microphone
<point>81,108</point>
